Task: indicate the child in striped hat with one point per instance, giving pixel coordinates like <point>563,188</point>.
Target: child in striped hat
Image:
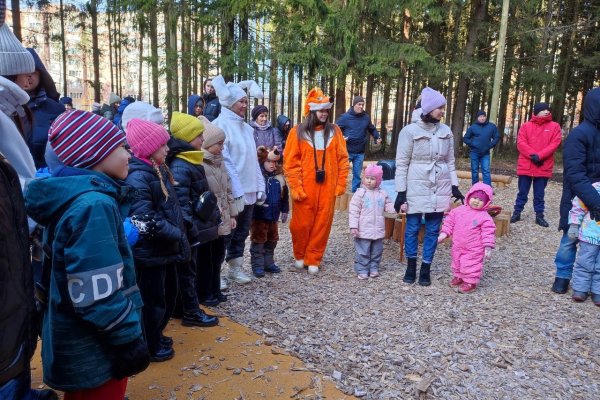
<point>92,300</point>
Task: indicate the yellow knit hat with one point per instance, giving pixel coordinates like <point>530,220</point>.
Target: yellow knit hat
<point>185,127</point>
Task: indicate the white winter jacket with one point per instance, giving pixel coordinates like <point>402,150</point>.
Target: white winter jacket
<point>425,166</point>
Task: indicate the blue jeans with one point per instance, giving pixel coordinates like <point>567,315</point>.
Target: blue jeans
<point>586,276</point>
<point>433,221</point>
<point>539,187</point>
<point>357,162</point>
<point>565,256</point>
<point>483,160</point>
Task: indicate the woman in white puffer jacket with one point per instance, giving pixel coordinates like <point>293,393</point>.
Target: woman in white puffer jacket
<point>425,180</point>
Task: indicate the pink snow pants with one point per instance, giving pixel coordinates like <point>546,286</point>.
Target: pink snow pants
<point>467,263</point>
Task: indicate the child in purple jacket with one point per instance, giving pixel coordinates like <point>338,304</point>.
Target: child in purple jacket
<point>367,223</point>
<point>473,237</point>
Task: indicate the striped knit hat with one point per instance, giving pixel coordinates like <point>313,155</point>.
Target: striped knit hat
<point>82,139</point>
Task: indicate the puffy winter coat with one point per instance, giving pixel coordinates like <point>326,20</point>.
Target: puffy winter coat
<point>17,308</point>
<point>425,166</point>
<point>267,135</point>
<point>45,107</point>
<point>190,182</point>
<point>239,154</point>
<point>220,184</point>
<point>212,107</point>
<point>119,115</point>
<point>481,138</point>
<point>169,244</point>
<point>94,301</point>
<point>277,201</point>
<point>581,159</point>
<point>281,121</point>
<point>539,136</point>
<point>366,212</point>
<point>471,228</point>
<point>356,128</point>
<point>589,230</point>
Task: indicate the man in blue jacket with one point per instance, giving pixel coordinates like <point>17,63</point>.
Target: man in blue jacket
<point>481,137</point>
<point>356,126</point>
<point>581,161</point>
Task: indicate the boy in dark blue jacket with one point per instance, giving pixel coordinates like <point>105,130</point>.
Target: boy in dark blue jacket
<point>91,333</point>
<point>264,233</point>
<point>481,137</point>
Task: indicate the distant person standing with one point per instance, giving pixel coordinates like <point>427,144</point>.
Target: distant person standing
<point>356,127</point>
<point>195,105</point>
<point>67,102</point>
<point>481,137</point>
<point>537,141</point>
<point>284,125</point>
<point>212,106</point>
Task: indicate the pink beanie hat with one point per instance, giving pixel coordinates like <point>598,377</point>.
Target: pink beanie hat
<point>145,137</point>
<point>375,171</point>
<point>430,100</point>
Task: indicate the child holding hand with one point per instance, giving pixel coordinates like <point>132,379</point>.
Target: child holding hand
<point>473,237</point>
<point>367,223</point>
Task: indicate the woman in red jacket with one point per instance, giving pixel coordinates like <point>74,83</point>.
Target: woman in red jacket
<point>537,141</point>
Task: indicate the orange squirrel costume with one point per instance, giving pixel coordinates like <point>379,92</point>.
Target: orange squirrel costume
<point>312,202</point>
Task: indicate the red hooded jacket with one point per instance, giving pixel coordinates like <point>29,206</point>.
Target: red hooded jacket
<point>541,136</point>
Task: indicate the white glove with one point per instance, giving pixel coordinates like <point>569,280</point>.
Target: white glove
<point>488,253</point>
<point>12,98</point>
<point>573,231</point>
<point>260,198</point>
<point>239,203</point>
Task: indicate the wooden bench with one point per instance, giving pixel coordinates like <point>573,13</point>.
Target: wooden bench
<point>499,180</point>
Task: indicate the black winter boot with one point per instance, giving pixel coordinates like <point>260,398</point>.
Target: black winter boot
<point>560,285</point>
<point>270,265</point>
<point>411,270</point>
<point>424,277</point>
<point>257,259</point>
<point>516,216</point>
<point>539,219</point>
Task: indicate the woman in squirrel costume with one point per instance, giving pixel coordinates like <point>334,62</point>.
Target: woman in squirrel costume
<point>316,168</point>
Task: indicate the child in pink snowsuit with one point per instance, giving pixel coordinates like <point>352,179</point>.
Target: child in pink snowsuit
<point>367,223</point>
<point>473,237</point>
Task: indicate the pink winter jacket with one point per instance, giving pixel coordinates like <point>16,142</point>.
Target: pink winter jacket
<point>469,228</point>
<point>366,212</point>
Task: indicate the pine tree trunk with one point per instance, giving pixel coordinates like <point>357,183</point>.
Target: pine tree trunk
<point>340,96</point>
<point>154,57</point>
<point>458,116</point>
<point>63,47</point>
<point>300,94</point>
<point>93,10</point>
<point>290,94</point>
<point>565,61</point>
<point>16,19</point>
<point>369,94</point>
<point>385,108</point>
<point>273,87</point>
<point>110,47</point>
<point>140,58</point>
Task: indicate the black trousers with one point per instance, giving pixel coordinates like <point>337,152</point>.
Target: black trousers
<point>158,288</point>
<point>208,268</point>
<point>186,274</point>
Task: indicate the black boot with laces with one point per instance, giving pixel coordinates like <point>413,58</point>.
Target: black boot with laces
<point>539,219</point>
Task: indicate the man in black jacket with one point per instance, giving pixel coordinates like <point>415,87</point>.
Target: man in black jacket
<point>581,160</point>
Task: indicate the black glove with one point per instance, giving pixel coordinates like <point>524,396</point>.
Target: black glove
<point>595,215</point>
<point>130,358</point>
<point>457,195</point>
<point>400,199</point>
<point>536,160</point>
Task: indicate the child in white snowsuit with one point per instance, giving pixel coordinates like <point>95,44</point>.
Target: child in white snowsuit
<point>586,272</point>
<point>367,223</point>
<point>473,237</point>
